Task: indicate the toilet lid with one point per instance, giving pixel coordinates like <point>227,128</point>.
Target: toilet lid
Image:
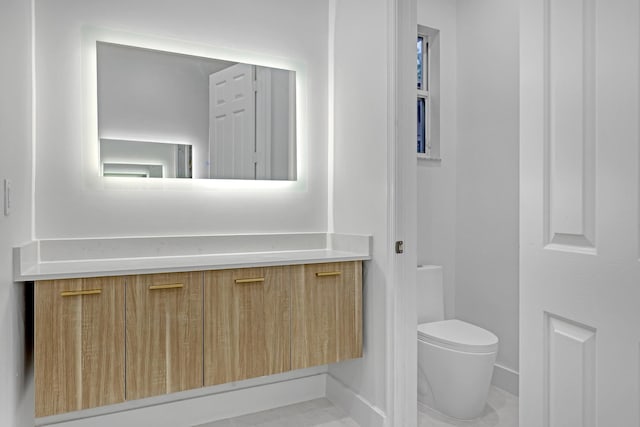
<point>458,335</point>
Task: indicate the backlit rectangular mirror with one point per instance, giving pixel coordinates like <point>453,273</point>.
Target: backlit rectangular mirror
<point>170,115</point>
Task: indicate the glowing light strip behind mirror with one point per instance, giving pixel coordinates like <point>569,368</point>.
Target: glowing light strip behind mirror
<point>91,146</point>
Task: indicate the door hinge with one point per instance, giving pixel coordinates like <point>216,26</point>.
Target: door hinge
<point>399,247</point>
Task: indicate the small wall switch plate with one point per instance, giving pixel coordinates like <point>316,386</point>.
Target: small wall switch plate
<point>7,197</point>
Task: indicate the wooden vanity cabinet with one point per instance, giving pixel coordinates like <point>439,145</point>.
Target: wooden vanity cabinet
<point>247,323</point>
<point>163,333</point>
<point>106,340</point>
<point>79,341</point>
<point>326,314</point>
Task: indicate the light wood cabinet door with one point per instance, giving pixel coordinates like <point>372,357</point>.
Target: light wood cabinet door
<point>163,333</point>
<point>246,323</point>
<point>79,344</point>
<point>326,314</point>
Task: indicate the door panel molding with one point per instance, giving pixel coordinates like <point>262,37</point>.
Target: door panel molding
<point>570,373</point>
<point>570,132</point>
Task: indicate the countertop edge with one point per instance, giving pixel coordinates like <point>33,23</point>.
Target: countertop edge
<point>28,268</point>
<point>44,270</point>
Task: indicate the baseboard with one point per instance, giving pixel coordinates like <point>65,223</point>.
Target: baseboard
<point>205,409</point>
<point>506,379</point>
<point>197,410</point>
<point>357,407</point>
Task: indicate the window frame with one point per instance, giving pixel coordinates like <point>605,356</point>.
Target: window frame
<point>423,93</point>
<point>430,92</point>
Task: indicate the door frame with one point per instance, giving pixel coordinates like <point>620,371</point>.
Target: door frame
<point>262,92</point>
<point>402,215</point>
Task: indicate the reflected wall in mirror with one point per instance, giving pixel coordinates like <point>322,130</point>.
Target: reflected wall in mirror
<point>170,115</point>
<point>145,159</point>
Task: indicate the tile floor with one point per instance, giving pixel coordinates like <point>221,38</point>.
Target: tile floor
<point>314,413</point>
<point>501,411</point>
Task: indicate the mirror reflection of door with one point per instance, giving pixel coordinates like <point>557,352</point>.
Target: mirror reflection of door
<point>232,110</point>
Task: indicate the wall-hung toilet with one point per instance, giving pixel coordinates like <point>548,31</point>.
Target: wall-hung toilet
<point>455,358</point>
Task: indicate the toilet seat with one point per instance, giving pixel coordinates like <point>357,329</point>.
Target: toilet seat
<point>458,335</point>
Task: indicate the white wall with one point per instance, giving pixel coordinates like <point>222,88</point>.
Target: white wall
<point>67,206</point>
<point>437,180</point>
<point>487,172</point>
<point>360,165</point>
<point>16,392</point>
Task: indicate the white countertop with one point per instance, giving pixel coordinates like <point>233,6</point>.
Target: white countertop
<point>44,260</point>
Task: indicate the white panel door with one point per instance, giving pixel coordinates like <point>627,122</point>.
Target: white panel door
<point>579,216</point>
<point>232,112</point>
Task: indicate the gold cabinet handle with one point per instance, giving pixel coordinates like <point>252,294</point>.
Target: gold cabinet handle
<point>252,280</point>
<point>328,273</point>
<point>80,293</point>
<point>171,286</point>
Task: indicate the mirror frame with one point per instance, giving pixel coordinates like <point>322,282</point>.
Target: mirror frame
<point>91,141</point>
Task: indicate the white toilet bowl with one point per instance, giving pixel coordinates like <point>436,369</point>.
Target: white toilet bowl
<point>455,365</point>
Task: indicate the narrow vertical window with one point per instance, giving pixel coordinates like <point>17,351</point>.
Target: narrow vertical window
<point>422,126</point>
<point>428,93</point>
<point>423,95</point>
<point>420,62</point>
